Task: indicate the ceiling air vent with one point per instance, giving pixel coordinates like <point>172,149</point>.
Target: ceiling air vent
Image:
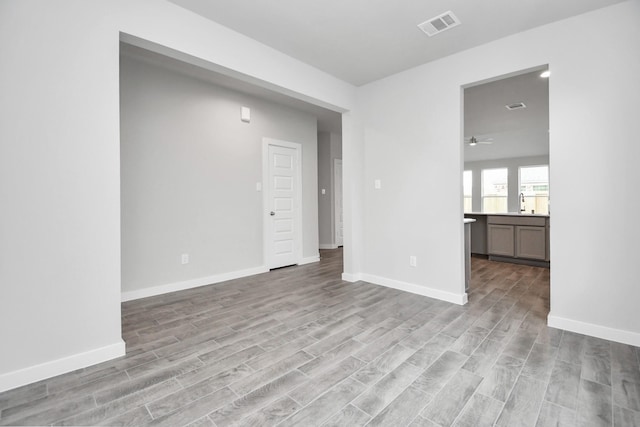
<point>516,106</point>
<point>439,24</point>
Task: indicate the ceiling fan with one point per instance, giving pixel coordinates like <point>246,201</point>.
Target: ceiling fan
<point>473,141</point>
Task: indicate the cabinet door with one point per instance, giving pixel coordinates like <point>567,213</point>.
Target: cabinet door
<point>531,242</point>
<point>500,240</point>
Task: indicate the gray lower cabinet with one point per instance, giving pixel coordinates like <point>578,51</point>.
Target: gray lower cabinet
<point>478,233</point>
<point>531,242</point>
<point>500,240</point>
<point>518,237</point>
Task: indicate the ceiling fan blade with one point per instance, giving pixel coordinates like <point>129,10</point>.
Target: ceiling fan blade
<point>472,141</point>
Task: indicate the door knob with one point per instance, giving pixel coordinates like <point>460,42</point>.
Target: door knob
<point>272,213</point>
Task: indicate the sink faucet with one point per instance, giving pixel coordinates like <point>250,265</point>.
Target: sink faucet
<point>522,207</point>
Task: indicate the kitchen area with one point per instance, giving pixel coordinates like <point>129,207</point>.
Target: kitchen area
<point>511,237</point>
<point>506,188</point>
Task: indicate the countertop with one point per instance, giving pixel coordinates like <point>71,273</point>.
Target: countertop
<point>506,214</point>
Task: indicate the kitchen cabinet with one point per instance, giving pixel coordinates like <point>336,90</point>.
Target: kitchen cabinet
<point>478,233</point>
<point>531,242</point>
<point>518,237</point>
<point>467,252</point>
<point>500,240</point>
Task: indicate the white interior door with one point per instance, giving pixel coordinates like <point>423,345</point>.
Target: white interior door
<point>283,205</point>
<point>337,191</point>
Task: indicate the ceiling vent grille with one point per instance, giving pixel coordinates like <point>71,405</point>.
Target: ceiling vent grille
<point>516,106</point>
<point>439,24</point>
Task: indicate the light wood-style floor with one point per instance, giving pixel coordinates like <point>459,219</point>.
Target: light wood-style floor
<point>298,346</point>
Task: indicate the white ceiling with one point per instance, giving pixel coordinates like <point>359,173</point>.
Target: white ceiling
<point>360,41</point>
<point>516,133</point>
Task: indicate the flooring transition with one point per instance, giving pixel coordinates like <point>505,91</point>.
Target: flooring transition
<point>298,346</point>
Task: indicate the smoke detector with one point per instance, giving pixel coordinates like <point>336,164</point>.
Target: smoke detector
<point>516,106</point>
<point>439,24</point>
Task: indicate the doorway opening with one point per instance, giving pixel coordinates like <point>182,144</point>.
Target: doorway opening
<point>338,212</point>
<point>192,210</point>
<point>330,219</point>
<point>506,187</point>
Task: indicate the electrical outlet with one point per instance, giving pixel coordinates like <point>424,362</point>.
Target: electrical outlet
<point>413,261</point>
<point>185,259</point>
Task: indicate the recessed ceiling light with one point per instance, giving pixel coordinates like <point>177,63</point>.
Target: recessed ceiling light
<point>545,74</point>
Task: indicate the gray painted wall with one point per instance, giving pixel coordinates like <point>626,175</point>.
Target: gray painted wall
<point>329,149</point>
<point>189,173</point>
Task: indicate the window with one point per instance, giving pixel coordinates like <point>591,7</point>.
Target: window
<point>494,190</point>
<point>534,185</point>
<point>467,181</point>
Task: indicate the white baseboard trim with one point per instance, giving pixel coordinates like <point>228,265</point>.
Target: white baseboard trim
<point>460,299</point>
<point>328,246</point>
<point>591,329</point>
<point>351,277</point>
<point>188,284</point>
<point>309,260</point>
<point>29,375</point>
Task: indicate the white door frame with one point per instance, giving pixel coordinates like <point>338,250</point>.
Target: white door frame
<point>266,195</point>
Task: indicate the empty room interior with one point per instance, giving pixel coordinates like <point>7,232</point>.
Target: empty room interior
<point>334,213</point>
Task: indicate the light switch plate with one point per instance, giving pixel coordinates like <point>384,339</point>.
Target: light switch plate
<point>245,114</point>
<point>377,184</point>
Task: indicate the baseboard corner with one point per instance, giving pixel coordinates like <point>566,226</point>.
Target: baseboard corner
<point>594,330</point>
<point>351,277</point>
<point>42,371</point>
<point>460,299</point>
